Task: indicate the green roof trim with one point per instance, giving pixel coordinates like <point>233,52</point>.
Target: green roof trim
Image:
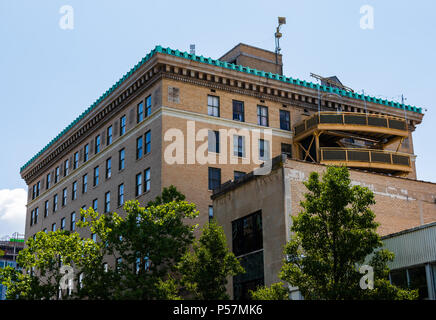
<point>226,65</point>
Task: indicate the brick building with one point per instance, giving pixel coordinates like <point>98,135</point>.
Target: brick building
<point>194,122</point>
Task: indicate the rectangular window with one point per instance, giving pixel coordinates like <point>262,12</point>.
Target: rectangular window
<point>57,173</point>
<point>148,106</point>
<point>73,222</point>
<point>55,202</point>
<point>53,227</point>
<point>66,167</point>
<point>38,188</point>
<point>214,178</point>
<point>107,202</point>
<point>210,213</point>
<point>213,141</point>
<point>46,208</point>
<point>121,159</point>
<point>94,237</point>
<point>76,160</point>
<point>238,111</point>
<point>95,205</point>
<point>139,146</point>
<point>86,153</point>
<point>82,217</point>
<point>147,142</point>
<point>147,180</point>
<point>109,136</point>
<point>85,183</point>
<point>96,175</point>
<point>108,168</point>
<point>286,149</point>
<point>247,234</point>
<point>64,197</point>
<point>34,191</point>
<point>238,175</point>
<point>120,194</point>
<point>138,187</point>
<point>35,221</point>
<point>285,120</point>
<point>264,153</point>
<point>122,125</point>
<point>63,224</point>
<point>140,112</point>
<point>48,181</point>
<point>97,144</point>
<point>239,146</point>
<point>32,217</point>
<point>213,106</point>
<point>74,191</point>
<point>262,116</point>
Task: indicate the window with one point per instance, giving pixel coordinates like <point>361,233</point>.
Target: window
<point>108,168</point>
<point>66,167</point>
<point>35,216</point>
<point>213,141</point>
<point>94,237</point>
<point>210,213</point>
<point>96,175</point>
<point>97,144</point>
<point>138,188</point>
<point>107,202</point>
<point>122,125</point>
<point>238,110</point>
<point>80,284</point>
<point>173,94</point>
<point>95,204</point>
<point>262,116</point>
<point>32,217</point>
<point>73,222</point>
<point>286,149</point>
<point>285,123</point>
<point>238,175</point>
<point>247,234</point>
<point>105,267</point>
<point>140,112</point>
<point>148,106</point>
<point>38,188</point>
<point>85,183</point>
<point>57,173</point>
<point>139,142</point>
<point>86,153</point>
<point>34,191</point>
<point>46,208</point>
<point>214,178</point>
<point>76,160</point>
<point>121,158</point>
<point>109,135</point>
<point>82,217</point>
<point>55,203</point>
<point>147,180</point>
<point>48,181</point>
<point>53,227</point>
<point>74,191</point>
<point>63,224</point>
<point>64,197</point>
<point>264,149</point>
<point>148,142</point>
<point>213,106</point>
<point>120,194</point>
<point>239,146</point>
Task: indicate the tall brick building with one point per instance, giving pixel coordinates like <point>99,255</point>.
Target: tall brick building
<point>194,122</point>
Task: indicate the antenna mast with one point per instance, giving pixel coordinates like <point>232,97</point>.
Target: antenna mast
<point>278,35</point>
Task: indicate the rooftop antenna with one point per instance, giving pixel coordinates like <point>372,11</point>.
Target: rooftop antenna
<point>278,35</point>
<point>404,107</point>
<point>192,49</point>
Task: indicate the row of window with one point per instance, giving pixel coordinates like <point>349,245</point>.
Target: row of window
<point>213,109</point>
<point>141,186</point>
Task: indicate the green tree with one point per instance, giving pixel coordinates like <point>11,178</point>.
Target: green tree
<point>276,291</point>
<point>205,269</point>
<point>332,236</point>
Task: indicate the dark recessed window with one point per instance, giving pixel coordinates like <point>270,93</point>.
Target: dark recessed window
<point>238,175</point>
<point>122,125</point>
<point>66,167</point>
<point>148,106</point>
<point>107,202</point>
<point>108,168</point>
<point>285,120</point>
<point>238,111</point>
<point>85,183</point>
<point>64,196</point>
<point>140,112</point>
<point>96,176</point>
<point>95,204</point>
<point>214,178</point>
<point>74,191</point>
<point>97,144</point>
<point>138,184</point>
<point>109,136</point>
<point>86,153</point>
<point>57,173</point>
<point>238,146</point>
<point>46,208</point>
<point>148,142</point>
<point>48,181</point>
<point>264,150</point>
<point>120,194</point>
<point>121,159</point>
<point>247,234</point>
<point>139,147</point>
<point>73,222</point>
<point>55,202</point>
<point>147,180</point>
<point>63,224</point>
<point>76,160</point>
<point>286,149</point>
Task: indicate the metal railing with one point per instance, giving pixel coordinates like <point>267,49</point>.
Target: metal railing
<point>351,118</point>
<point>365,155</point>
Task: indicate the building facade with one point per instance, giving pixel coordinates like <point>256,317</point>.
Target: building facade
<point>194,122</point>
<point>9,249</point>
<point>401,203</point>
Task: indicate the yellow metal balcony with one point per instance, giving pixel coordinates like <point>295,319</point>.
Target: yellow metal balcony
<point>377,160</point>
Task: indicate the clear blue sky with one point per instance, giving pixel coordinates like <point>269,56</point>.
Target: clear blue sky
<point>49,75</point>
